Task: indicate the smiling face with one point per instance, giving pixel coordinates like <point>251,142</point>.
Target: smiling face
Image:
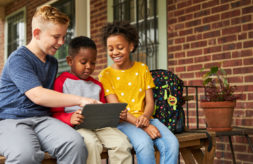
<point>83,63</point>
<point>50,37</point>
<point>119,50</point>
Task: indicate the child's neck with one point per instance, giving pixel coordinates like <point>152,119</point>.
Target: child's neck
<point>35,50</point>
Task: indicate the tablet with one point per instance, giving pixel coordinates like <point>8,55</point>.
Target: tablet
<point>98,116</point>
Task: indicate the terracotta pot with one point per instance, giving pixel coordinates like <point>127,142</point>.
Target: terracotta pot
<point>218,115</point>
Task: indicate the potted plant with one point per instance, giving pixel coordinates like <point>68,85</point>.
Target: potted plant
<point>219,101</point>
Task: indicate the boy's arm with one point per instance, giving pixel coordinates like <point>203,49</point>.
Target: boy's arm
<point>50,98</point>
<point>62,116</point>
<point>112,98</point>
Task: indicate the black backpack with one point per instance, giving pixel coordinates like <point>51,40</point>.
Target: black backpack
<point>168,97</point>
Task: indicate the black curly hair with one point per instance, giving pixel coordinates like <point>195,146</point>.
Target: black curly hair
<point>80,42</point>
<point>121,28</point>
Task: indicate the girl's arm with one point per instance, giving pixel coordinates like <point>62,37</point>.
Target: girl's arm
<point>149,106</point>
<point>112,98</point>
<point>151,130</point>
<point>143,120</point>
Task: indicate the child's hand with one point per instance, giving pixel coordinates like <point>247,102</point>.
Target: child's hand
<point>123,115</point>
<point>142,121</point>
<point>152,131</point>
<point>77,117</point>
<point>85,101</point>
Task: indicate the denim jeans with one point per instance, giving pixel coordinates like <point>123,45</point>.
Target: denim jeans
<point>167,145</point>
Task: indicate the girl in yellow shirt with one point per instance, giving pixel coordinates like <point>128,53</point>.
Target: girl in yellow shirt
<point>131,82</point>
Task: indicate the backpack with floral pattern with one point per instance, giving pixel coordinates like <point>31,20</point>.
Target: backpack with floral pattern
<point>168,97</point>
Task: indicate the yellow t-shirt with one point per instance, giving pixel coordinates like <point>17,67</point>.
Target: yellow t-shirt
<point>128,85</point>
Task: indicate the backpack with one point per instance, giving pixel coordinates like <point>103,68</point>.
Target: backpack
<point>168,98</point>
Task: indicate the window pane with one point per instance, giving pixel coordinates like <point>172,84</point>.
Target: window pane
<point>67,7</point>
<point>142,14</point>
<point>16,32</point>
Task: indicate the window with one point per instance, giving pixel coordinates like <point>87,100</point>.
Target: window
<point>142,14</point>
<point>15,31</point>
<point>67,7</point>
<point>151,24</point>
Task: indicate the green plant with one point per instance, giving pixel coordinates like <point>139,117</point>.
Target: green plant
<point>217,86</point>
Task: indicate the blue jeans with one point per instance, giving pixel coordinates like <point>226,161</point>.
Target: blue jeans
<point>167,145</point>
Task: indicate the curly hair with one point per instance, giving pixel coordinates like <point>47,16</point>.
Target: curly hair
<point>121,28</point>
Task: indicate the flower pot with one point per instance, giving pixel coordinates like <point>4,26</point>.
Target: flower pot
<point>218,115</point>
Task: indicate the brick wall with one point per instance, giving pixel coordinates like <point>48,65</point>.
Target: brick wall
<point>98,18</point>
<point>203,33</point>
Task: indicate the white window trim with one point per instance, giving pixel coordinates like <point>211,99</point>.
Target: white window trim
<point>82,17</point>
<point>6,30</point>
<point>162,60</point>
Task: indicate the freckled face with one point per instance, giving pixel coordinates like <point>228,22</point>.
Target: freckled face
<point>83,63</point>
<point>119,49</point>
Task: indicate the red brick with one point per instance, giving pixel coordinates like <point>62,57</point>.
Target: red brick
<point>212,49</point>
<point>250,95</point>
<point>230,14</point>
<point>232,63</point>
<point>186,46</point>
<point>179,55</point>
<point>242,36</point>
<point>243,70</point>
<point>202,59</point>
<point>183,4</point>
<point>238,79</point>
<point>211,34</point>
<point>194,52</point>
<point>220,56</point>
<point>239,20</point>
<point>199,44</point>
<point>248,44</point>
<point>249,78</point>
<point>247,10</point>
<point>231,30</point>
<point>185,32</point>
<point>247,27</point>
<point>194,67</point>
<point>212,18</point>
<point>179,12</point>
<point>221,8</point>
<point>210,3</point>
<point>227,39</point>
<point>221,24</point>
<point>174,48</point>
<point>194,37</point>
<point>202,28</point>
<point>240,3</point>
<point>249,113</point>
<point>193,23</point>
<point>251,34</point>
<point>179,40</point>
<point>202,13</point>
<point>186,75</point>
<point>185,61</point>
<point>192,9</point>
<point>180,69</point>
<point>185,18</point>
<point>248,61</point>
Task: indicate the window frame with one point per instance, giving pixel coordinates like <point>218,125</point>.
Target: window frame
<point>23,9</point>
<point>162,29</point>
